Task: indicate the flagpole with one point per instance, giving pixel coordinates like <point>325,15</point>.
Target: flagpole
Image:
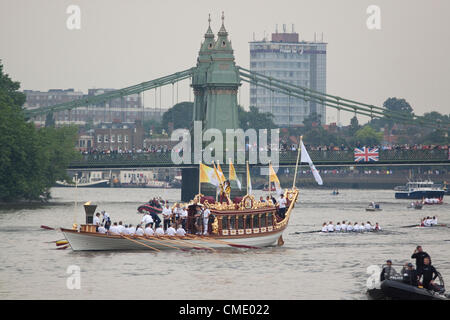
<point>298,158</point>
<point>270,187</point>
<point>199,180</point>
<point>247,175</point>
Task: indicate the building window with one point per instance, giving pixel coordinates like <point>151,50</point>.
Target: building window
<point>99,138</point>
<point>125,138</point>
<point>119,138</point>
<point>113,138</point>
<point>105,139</point>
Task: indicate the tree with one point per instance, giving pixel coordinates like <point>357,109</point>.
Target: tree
<point>180,115</point>
<point>255,119</point>
<point>31,160</point>
<point>368,136</point>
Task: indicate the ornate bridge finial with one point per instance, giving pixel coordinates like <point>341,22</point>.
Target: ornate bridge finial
<point>209,19</point>
<point>223,18</point>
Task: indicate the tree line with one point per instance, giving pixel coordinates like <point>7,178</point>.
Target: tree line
<point>31,159</point>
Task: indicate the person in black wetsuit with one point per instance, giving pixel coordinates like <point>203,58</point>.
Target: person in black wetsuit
<point>428,274</point>
<point>387,271</point>
<point>419,255</point>
<point>410,275</point>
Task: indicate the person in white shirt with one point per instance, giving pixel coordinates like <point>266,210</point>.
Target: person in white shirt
<point>181,232</point>
<point>121,227</point>
<point>330,227</point>
<point>324,227</point>
<point>146,219</point>
<point>131,230</point>
<point>177,211</point>
<point>434,221</point>
<point>349,227</point>
<point>344,226</point>
<point>171,231</point>
<point>139,231</point>
<point>356,227</point>
<point>102,230</point>
<point>206,214</point>
<point>282,206</point>
<point>167,214</point>
<point>114,230</point>
<point>96,221</point>
<point>338,227</point>
<point>183,217</point>
<point>125,231</point>
<point>106,220</point>
<point>149,230</point>
<point>427,222</point>
<point>368,226</point>
<point>159,231</point>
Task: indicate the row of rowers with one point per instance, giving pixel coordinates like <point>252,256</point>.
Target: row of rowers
<point>141,230</point>
<point>349,227</point>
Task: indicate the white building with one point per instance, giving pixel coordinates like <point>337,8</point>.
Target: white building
<point>298,62</point>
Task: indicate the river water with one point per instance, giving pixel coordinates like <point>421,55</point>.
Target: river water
<point>308,266</point>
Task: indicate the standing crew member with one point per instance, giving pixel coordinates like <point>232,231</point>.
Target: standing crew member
<point>206,214</point>
<point>167,214</point>
<point>282,206</point>
<point>419,255</point>
<point>96,221</point>
<point>428,273</point>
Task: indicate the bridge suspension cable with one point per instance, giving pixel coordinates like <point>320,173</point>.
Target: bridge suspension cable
<point>120,93</point>
<point>336,102</point>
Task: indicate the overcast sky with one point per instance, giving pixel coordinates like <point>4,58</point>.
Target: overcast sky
<point>122,43</point>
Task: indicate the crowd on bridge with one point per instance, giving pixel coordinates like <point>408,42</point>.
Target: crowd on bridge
<point>284,147</point>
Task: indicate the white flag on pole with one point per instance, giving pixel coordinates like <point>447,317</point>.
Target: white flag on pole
<point>305,158</point>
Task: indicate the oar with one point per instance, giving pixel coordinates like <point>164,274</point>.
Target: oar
<point>61,243</point>
<point>47,227</point>
<point>159,242</point>
<point>54,241</point>
<point>301,232</point>
<point>194,246</point>
<point>62,248</point>
<point>224,242</point>
<point>142,244</point>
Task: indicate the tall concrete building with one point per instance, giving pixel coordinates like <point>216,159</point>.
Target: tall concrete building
<point>286,58</point>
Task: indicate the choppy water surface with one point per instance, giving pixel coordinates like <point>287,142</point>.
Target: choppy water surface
<point>308,266</point>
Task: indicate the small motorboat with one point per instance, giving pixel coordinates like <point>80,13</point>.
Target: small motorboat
<point>373,207</point>
<point>415,205</point>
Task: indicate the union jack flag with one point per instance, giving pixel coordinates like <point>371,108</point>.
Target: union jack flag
<point>365,154</point>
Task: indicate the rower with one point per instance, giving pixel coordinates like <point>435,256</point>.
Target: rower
<point>171,231</point>
<point>180,231</point>
<point>125,231</point>
<point>324,227</point>
<point>377,227</point>
<point>338,227</point>
<point>149,230</point>
<point>159,231</point>
<point>139,231</point>
<point>121,227</point>
<point>434,221</point>
<point>344,226</point>
<point>167,214</point>
<point>114,229</point>
<point>102,229</point>
<point>131,230</point>
<point>96,221</point>
<point>330,227</point>
<point>349,227</point>
<point>356,227</point>
<point>368,226</point>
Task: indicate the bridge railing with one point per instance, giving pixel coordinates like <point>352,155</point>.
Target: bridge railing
<point>285,158</point>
